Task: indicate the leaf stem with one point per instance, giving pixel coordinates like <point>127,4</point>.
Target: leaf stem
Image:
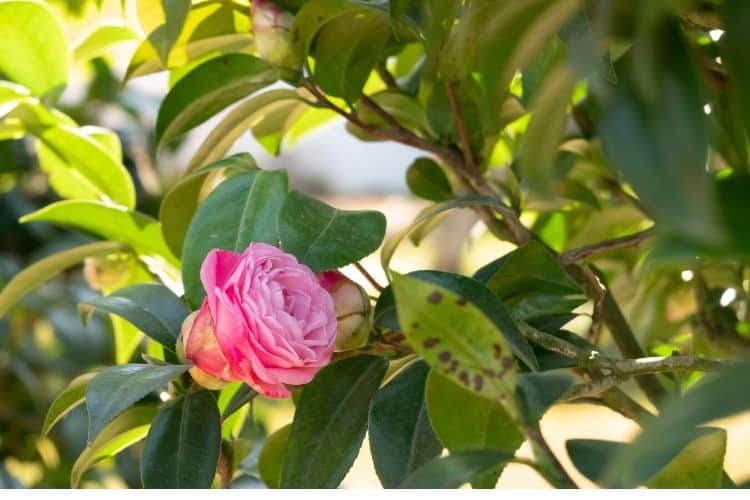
<point>629,241</point>
<point>368,276</point>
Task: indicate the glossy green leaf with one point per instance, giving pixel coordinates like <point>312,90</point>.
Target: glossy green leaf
<point>330,422</point>
<point>455,338</point>
<point>141,232</point>
<point>240,398</point>
<point>182,446</point>
<point>536,392</point>
<point>35,53</point>
<point>715,397</point>
<point>313,16</point>
<point>427,180</point>
<point>456,469</point>
<point>481,424</point>
<point>116,388</point>
<point>162,21</point>
<point>180,202</point>
<point>346,50</point>
<point>151,307</point>
<point>272,455</point>
<point>99,41</point>
<point>735,16</point>
<point>401,438</point>
<point>274,126</point>
<point>81,166</point>
<point>208,89</point>
<point>37,273</point>
<point>239,211</point>
<point>72,396</point>
<point>424,217</point>
<point>127,429</point>
<point>324,237</point>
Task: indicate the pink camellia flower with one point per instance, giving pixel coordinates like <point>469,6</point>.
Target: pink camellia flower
<point>352,307</point>
<point>266,320</point>
<point>272,32</point>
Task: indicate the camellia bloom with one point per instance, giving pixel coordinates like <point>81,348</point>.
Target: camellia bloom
<point>352,307</point>
<point>266,320</point>
<point>272,32</point>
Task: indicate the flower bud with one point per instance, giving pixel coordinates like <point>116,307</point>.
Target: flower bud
<point>199,346</point>
<point>272,32</point>
<point>108,272</point>
<point>352,307</point>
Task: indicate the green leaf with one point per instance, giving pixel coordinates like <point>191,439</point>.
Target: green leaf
<point>151,307</point>
<point>456,469</point>
<point>735,16</point>
<point>531,282</point>
<point>116,388</point>
<point>424,217</point>
<point>427,180</point>
<point>313,16</point>
<point>715,397</point>
<point>536,392</point>
<point>324,237</point>
<point>140,231</point>
<point>401,438</point>
<point>128,428</point>
<point>80,166</point>
<point>540,145</point>
<point>244,395</point>
<point>162,21</point>
<point>456,338</point>
<point>99,41</point>
<point>330,422</point>
<point>239,211</point>
<point>34,53</point>
<point>346,50</point>
<point>67,400</point>
<point>272,455</point>
<point>37,273</point>
<point>481,424</point>
<point>699,464</point>
<point>182,446</point>
<point>274,126</point>
<point>208,89</point>
<point>180,202</point>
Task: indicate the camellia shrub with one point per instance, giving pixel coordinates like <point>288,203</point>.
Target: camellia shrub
<point>606,141</point>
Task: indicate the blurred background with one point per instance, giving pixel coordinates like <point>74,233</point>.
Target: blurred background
<point>43,344</point>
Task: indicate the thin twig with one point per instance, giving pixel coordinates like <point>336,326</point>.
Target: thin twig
<point>368,276</point>
<point>386,75</point>
<point>460,127</point>
<point>629,241</point>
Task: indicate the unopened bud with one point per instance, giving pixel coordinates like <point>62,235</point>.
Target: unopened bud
<point>352,307</point>
<point>272,27</point>
<point>198,345</point>
<point>108,272</point>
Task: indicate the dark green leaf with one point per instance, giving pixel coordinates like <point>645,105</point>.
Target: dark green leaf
<point>272,455</point>
<point>241,210</point>
<point>456,469</point>
<point>182,446</point>
<point>401,438</point>
<point>150,307</point>
<point>116,388</point>
<point>538,391</point>
<point>208,89</point>
<point>244,395</point>
<point>324,237</point>
<point>481,424</point>
<point>427,180</point>
<point>71,397</point>
<point>330,422</point>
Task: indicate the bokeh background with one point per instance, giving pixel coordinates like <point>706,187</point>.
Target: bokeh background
<point>43,344</point>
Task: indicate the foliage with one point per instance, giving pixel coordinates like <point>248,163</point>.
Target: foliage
<point>604,141</point>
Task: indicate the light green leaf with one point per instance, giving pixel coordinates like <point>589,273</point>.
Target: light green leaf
<point>34,53</point>
<point>208,89</point>
<point>271,458</point>
<point>127,429</point>
<point>330,422</point>
<point>116,388</point>
<point>162,21</point>
<point>313,16</point>
<point>456,469</point>
<point>456,338</point>
<point>239,211</point>
<point>72,396</point>
<point>151,307</point>
<point>37,273</point>
<point>182,446</point>
<point>99,41</point>
<point>324,237</point>
<point>139,231</point>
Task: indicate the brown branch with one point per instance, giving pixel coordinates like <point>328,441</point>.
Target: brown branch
<point>368,276</point>
<point>386,75</point>
<point>460,127</point>
<point>629,241</point>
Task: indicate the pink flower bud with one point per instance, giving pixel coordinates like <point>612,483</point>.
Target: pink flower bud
<point>352,308</point>
<point>199,345</point>
<point>272,32</point>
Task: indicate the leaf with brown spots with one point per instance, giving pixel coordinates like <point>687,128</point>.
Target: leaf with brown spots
<point>458,340</point>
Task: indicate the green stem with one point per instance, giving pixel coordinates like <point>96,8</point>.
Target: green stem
<point>547,463</point>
